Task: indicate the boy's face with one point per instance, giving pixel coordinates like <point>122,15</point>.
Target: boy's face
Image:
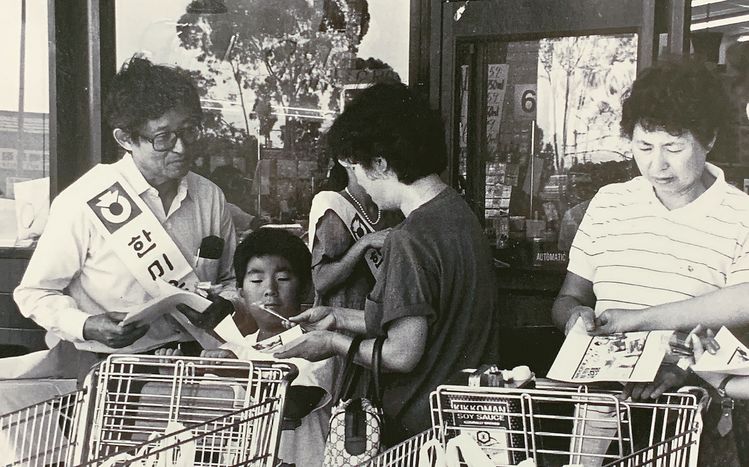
<point>271,282</point>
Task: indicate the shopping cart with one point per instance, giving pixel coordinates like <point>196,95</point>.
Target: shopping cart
<point>558,424</point>
<point>148,410</point>
<point>39,435</point>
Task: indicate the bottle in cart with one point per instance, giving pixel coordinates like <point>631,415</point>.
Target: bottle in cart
<point>492,376</point>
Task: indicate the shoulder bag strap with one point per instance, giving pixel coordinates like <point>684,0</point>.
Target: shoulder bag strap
<point>350,370</point>
<point>376,371</point>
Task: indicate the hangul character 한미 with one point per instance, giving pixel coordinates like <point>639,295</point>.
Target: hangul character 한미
<point>141,247</point>
<point>156,265</point>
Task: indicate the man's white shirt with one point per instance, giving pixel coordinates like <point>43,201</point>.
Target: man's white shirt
<point>74,273</point>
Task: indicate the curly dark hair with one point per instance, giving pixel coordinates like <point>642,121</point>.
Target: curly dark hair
<point>677,96</point>
<point>391,121</point>
<point>274,242</point>
<point>143,91</point>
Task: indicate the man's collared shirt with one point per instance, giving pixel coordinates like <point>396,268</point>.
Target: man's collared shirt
<point>74,273</point>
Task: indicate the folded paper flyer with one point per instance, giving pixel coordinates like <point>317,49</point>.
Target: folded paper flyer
<point>165,304</point>
<point>623,357</point>
<point>272,343</point>
<point>731,359</point>
<point>163,319</point>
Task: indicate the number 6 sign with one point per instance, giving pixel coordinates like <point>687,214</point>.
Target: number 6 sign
<point>525,101</point>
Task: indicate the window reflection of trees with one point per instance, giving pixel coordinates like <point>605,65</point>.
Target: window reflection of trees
<point>581,83</point>
<point>287,62</point>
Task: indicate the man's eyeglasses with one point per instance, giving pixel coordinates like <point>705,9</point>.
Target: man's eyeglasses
<point>166,140</point>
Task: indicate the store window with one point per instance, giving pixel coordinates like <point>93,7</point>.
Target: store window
<point>24,104</point>
<point>272,74</point>
<point>546,131</point>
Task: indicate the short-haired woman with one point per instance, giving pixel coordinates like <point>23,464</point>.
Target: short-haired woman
<point>434,297</point>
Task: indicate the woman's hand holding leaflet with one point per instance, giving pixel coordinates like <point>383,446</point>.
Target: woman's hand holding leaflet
<point>313,346</point>
<point>319,318</point>
<point>585,313</point>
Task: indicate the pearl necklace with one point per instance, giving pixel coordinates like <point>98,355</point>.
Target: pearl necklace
<point>363,211</point>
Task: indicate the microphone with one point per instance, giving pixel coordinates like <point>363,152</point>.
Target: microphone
<point>211,247</point>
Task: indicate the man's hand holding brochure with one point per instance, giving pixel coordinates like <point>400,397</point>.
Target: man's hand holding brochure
<point>163,318</point>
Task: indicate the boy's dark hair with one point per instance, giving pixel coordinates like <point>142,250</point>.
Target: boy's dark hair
<point>391,121</point>
<point>142,91</point>
<point>274,242</point>
<point>677,96</point>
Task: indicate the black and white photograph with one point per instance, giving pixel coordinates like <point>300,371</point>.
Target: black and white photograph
<point>366,222</point>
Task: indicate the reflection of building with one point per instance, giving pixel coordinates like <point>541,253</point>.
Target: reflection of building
<point>287,177</point>
<point>32,162</point>
<point>286,181</point>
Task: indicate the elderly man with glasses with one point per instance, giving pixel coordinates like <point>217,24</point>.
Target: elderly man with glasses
<point>128,232</point>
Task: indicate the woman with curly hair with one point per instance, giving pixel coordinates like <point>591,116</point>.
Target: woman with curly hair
<point>434,297</point>
<point>670,248</point>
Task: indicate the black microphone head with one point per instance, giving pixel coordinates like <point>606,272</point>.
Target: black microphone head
<point>211,247</point>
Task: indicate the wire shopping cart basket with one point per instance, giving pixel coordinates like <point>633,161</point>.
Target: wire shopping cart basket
<point>40,435</point>
<point>560,424</point>
<point>153,410</point>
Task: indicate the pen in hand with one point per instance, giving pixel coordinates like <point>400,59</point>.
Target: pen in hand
<point>268,310</point>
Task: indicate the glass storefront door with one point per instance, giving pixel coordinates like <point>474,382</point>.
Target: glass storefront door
<point>533,102</point>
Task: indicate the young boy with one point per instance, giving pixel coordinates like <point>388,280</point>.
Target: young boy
<point>273,270</point>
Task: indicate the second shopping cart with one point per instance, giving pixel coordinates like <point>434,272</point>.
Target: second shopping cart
<point>147,411</point>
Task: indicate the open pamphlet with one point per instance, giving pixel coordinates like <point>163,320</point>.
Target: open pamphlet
<point>731,359</point>
<point>162,316</point>
<point>623,357</point>
<point>270,344</point>
<point>165,304</point>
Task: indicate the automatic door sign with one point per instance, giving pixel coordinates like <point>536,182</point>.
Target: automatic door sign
<point>114,207</point>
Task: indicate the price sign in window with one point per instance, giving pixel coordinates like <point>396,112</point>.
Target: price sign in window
<point>525,101</point>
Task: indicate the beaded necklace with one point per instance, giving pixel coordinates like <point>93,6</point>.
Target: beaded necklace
<point>363,211</point>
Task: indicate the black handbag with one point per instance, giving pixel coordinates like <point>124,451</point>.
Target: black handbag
<point>356,423</point>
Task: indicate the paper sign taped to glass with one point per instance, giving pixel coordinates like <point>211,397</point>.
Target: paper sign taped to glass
<point>731,359</point>
<point>623,357</point>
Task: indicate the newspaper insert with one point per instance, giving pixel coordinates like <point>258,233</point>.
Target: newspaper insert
<point>731,359</point>
<point>624,357</point>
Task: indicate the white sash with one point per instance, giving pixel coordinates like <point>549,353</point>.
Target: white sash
<point>356,224</point>
<point>140,241</point>
<point>135,233</point>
